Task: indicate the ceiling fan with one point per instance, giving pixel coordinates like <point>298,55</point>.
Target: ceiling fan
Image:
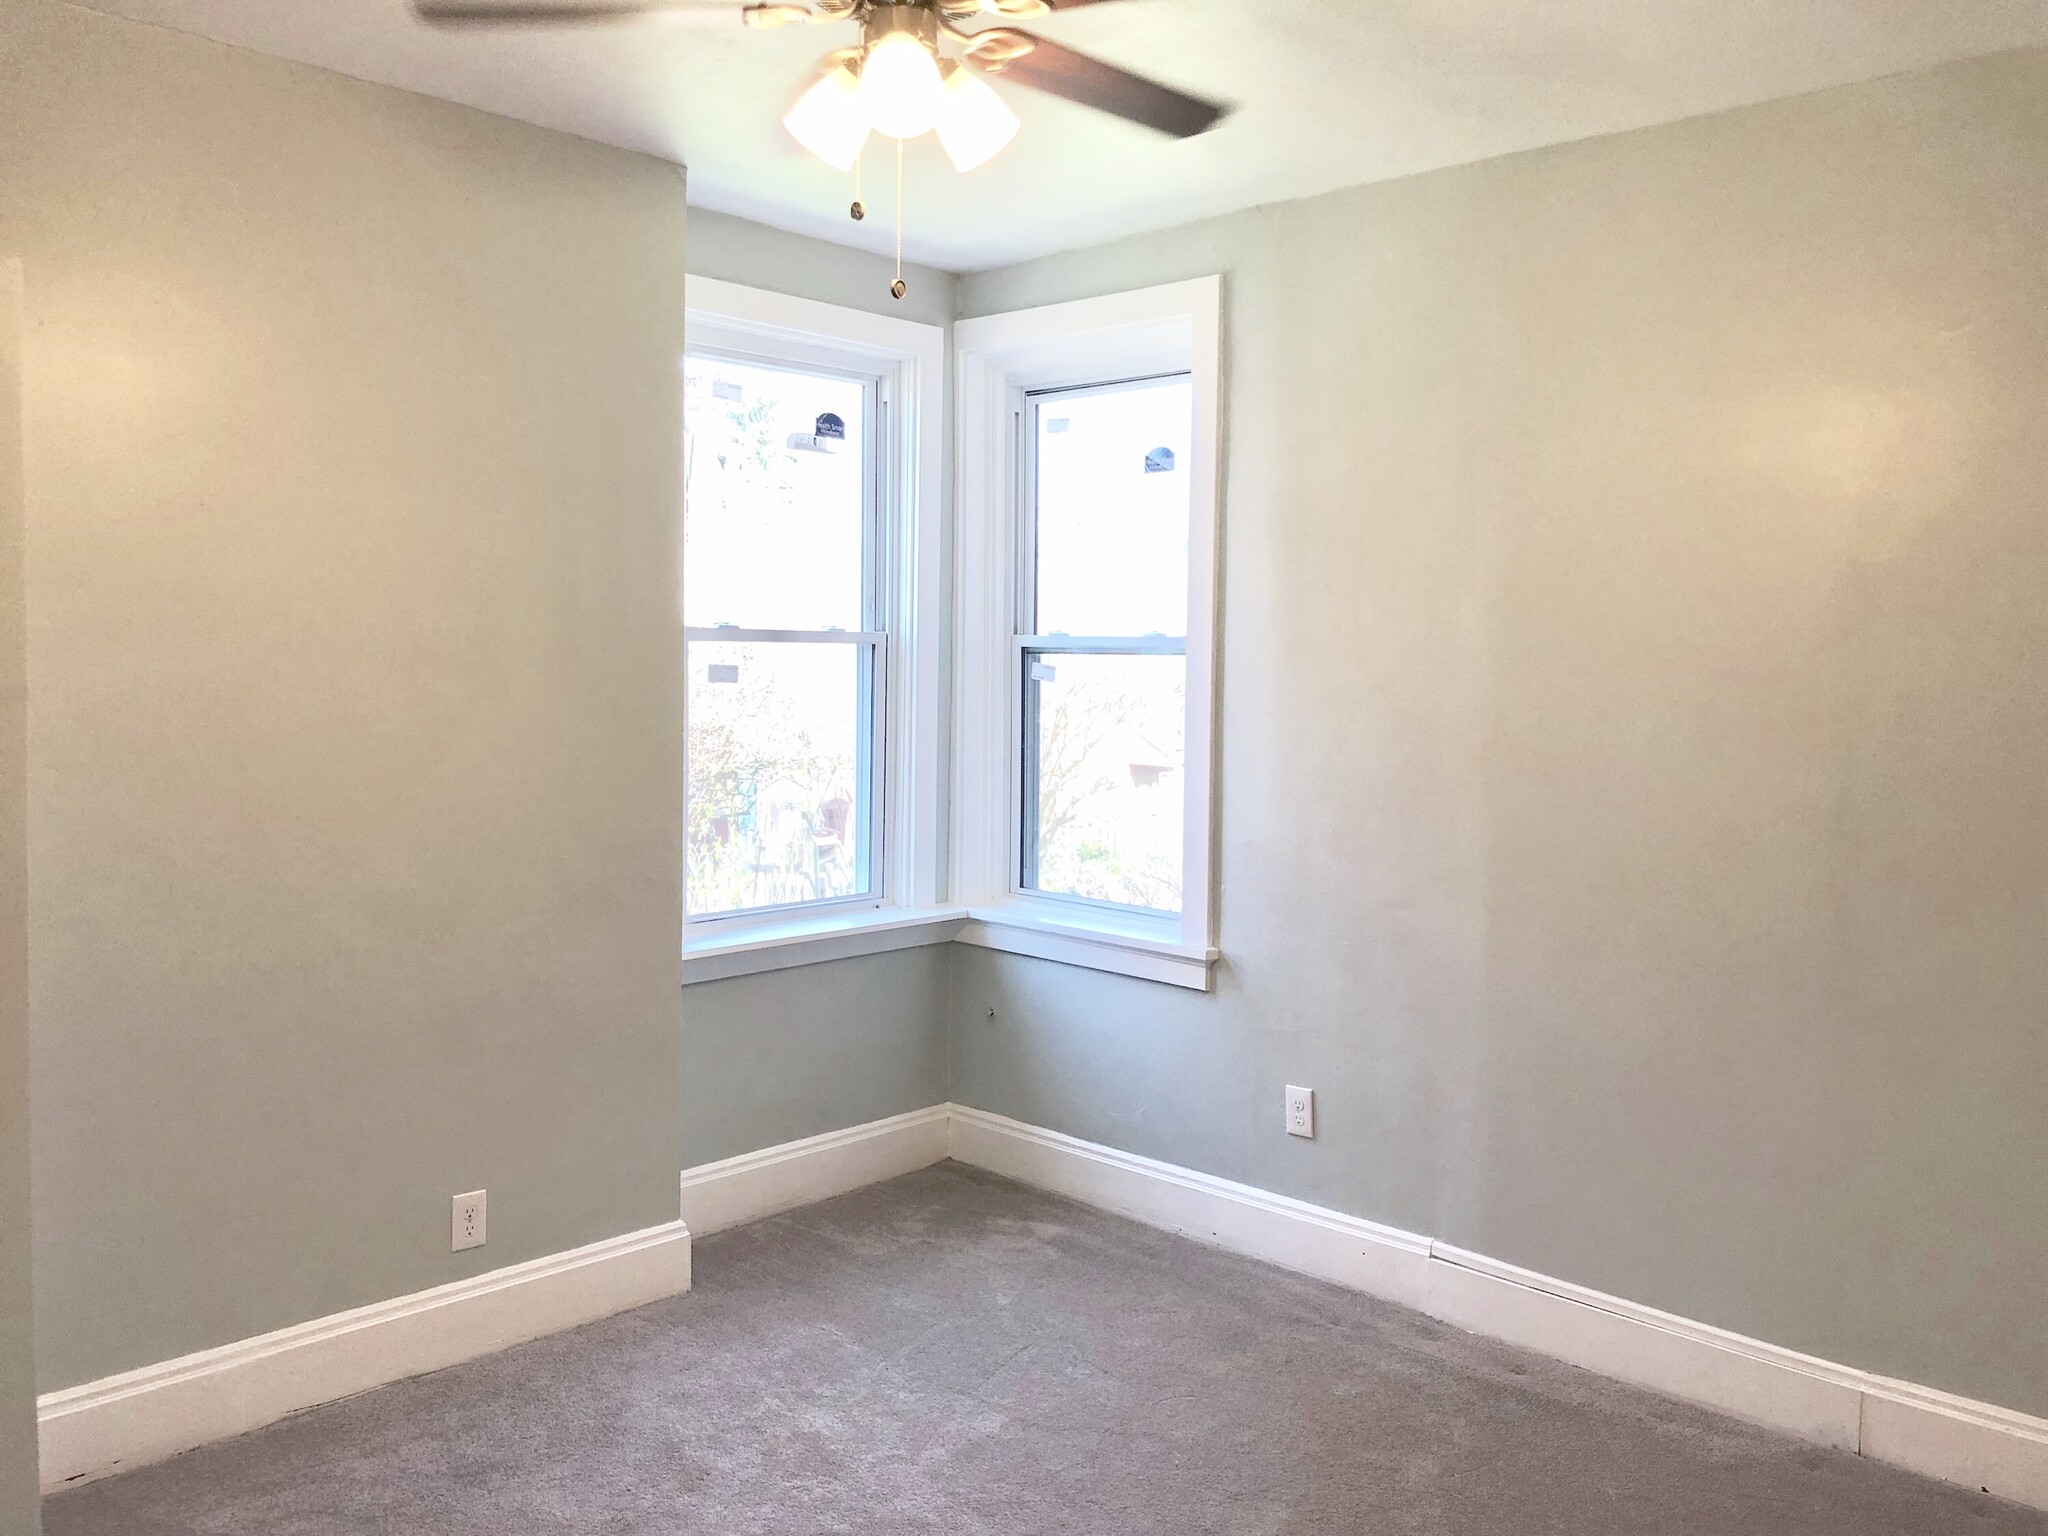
<point>899,82</point>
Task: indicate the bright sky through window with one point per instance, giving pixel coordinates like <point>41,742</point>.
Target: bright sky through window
<point>1104,755</point>
<point>777,526</point>
<point>772,539</point>
<point>1113,533</point>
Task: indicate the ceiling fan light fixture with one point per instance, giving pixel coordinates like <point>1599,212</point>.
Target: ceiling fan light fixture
<point>900,88</point>
<point>830,120</point>
<point>976,124</point>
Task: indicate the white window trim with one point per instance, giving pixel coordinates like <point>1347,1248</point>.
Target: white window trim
<point>1170,329</point>
<point>909,862</point>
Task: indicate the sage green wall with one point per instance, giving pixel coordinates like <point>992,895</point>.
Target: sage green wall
<point>738,250</point>
<point>1634,772</point>
<point>782,1055</point>
<point>17,1365</point>
<point>355,694</point>
<point>787,1054</point>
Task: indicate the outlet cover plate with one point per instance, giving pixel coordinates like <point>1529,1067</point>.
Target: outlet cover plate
<point>466,1227</point>
<point>1301,1112</point>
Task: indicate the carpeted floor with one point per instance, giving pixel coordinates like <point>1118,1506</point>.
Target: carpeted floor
<point>953,1353</point>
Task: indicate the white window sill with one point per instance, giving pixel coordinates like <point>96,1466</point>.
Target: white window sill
<point>1137,948</point>
<point>808,940</point>
<point>1015,930</point>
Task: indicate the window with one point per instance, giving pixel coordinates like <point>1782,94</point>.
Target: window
<point>811,608</point>
<point>1102,640</point>
<point>786,677</point>
<point>814,610</point>
<point>1087,443</point>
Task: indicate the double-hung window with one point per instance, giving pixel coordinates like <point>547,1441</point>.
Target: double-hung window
<point>811,604</point>
<point>1085,663</point>
<point>1102,606</point>
<point>787,662</point>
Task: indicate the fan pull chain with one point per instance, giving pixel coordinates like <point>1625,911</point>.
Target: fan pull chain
<point>898,288</point>
<point>859,209</point>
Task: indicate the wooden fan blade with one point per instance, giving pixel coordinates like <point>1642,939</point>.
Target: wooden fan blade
<point>481,13</point>
<point>1062,72</point>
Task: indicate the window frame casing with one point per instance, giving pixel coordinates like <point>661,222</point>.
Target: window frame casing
<point>906,598</point>
<point>999,361</point>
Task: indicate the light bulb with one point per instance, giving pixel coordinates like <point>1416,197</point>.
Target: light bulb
<point>829,120</point>
<point>975,122</point>
<point>900,88</point>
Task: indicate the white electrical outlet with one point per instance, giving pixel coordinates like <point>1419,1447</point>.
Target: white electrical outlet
<point>468,1225</point>
<point>1301,1112</point>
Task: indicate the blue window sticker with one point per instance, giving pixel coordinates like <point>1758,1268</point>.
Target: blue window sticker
<point>831,427</point>
<point>1159,461</point>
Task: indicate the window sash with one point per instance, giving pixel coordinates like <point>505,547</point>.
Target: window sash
<point>879,555</point>
<point>879,561</point>
<point>1033,402</point>
<point>1027,643</point>
<point>1024,841</point>
<point>871,825</point>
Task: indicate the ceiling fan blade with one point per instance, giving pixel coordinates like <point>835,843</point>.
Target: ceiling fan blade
<point>1062,72</point>
<point>481,13</point>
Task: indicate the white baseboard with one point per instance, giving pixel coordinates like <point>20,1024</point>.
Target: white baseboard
<point>1957,1439</point>
<point>1291,1233</point>
<point>1933,1433</point>
<point>155,1412</point>
<point>756,1184</point>
<point>1759,1382</point>
<point>148,1414</point>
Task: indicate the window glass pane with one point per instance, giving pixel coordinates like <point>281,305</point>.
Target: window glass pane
<point>778,776</point>
<point>1112,485</point>
<point>773,534</point>
<point>1106,768</point>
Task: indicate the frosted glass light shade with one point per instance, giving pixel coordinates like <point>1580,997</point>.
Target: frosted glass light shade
<point>829,119</point>
<point>975,123</point>
<point>900,88</point>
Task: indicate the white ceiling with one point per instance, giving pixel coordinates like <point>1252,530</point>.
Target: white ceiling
<point>1331,93</point>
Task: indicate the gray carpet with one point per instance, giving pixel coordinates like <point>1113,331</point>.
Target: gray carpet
<point>950,1353</point>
